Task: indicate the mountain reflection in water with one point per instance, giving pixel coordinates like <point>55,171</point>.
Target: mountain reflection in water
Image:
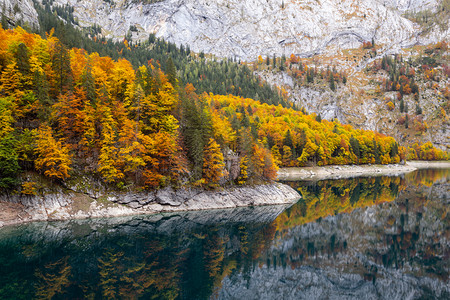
<point>362,238</point>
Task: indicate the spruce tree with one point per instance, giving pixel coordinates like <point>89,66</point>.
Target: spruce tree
<point>332,84</point>
<point>4,19</point>
<point>354,143</point>
<point>319,118</point>
<point>288,139</point>
<point>61,66</point>
<point>22,59</point>
<point>418,109</point>
<point>171,72</point>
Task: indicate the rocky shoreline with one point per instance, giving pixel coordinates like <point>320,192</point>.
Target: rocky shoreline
<point>349,171</point>
<point>72,204</point>
<point>67,205</point>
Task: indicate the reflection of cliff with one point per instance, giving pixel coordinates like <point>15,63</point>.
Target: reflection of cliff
<point>185,255</point>
<point>395,250</point>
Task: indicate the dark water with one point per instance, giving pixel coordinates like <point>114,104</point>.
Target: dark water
<point>364,238</point>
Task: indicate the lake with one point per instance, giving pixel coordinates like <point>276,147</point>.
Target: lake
<point>362,238</point>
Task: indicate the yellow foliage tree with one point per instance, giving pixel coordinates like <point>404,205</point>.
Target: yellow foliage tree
<point>53,158</point>
<point>110,165</point>
<point>212,163</point>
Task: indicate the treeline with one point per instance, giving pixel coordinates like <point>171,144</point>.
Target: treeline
<point>401,75</point>
<point>302,72</point>
<point>307,74</point>
<point>296,139</point>
<point>207,75</point>
<point>65,112</point>
<point>425,152</point>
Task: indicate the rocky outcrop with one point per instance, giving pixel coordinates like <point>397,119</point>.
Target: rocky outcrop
<point>410,5</point>
<point>246,29</point>
<point>65,205</point>
<point>19,12</point>
<point>198,199</point>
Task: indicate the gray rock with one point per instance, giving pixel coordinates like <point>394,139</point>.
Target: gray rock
<point>19,10</point>
<point>246,29</point>
<point>72,205</point>
<point>167,196</point>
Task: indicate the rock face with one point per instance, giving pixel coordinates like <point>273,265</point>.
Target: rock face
<point>370,253</point>
<point>19,10</point>
<point>74,205</point>
<point>197,199</point>
<point>246,29</point>
<point>410,5</point>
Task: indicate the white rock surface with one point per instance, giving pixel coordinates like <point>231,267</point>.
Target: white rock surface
<point>72,205</point>
<point>246,29</point>
<point>25,13</point>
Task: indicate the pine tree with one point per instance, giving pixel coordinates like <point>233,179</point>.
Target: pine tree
<point>332,84</point>
<point>61,67</point>
<point>171,72</point>
<point>418,109</point>
<point>4,18</point>
<point>9,166</point>
<point>88,83</point>
<point>22,59</point>
<point>319,118</point>
<point>354,143</point>
<point>376,151</point>
<point>288,139</point>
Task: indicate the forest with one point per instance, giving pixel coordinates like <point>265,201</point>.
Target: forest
<point>66,112</point>
<point>206,74</point>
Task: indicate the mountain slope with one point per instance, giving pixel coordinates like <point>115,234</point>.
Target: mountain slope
<point>18,11</point>
<point>246,29</point>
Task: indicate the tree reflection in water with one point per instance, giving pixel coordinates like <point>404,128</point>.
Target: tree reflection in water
<point>354,235</point>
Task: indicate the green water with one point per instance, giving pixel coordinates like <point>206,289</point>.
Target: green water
<point>363,238</point>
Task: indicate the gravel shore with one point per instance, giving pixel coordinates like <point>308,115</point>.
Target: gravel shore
<point>348,171</point>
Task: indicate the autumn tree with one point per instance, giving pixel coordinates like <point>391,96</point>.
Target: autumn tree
<point>110,165</point>
<point>212,163</point>
<point>53,158</point>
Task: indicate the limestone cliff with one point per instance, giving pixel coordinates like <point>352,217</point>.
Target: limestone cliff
<point>15,12</point>
<point>246,29</point>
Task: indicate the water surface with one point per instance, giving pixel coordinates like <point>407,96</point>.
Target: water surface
<point>362,238</point>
